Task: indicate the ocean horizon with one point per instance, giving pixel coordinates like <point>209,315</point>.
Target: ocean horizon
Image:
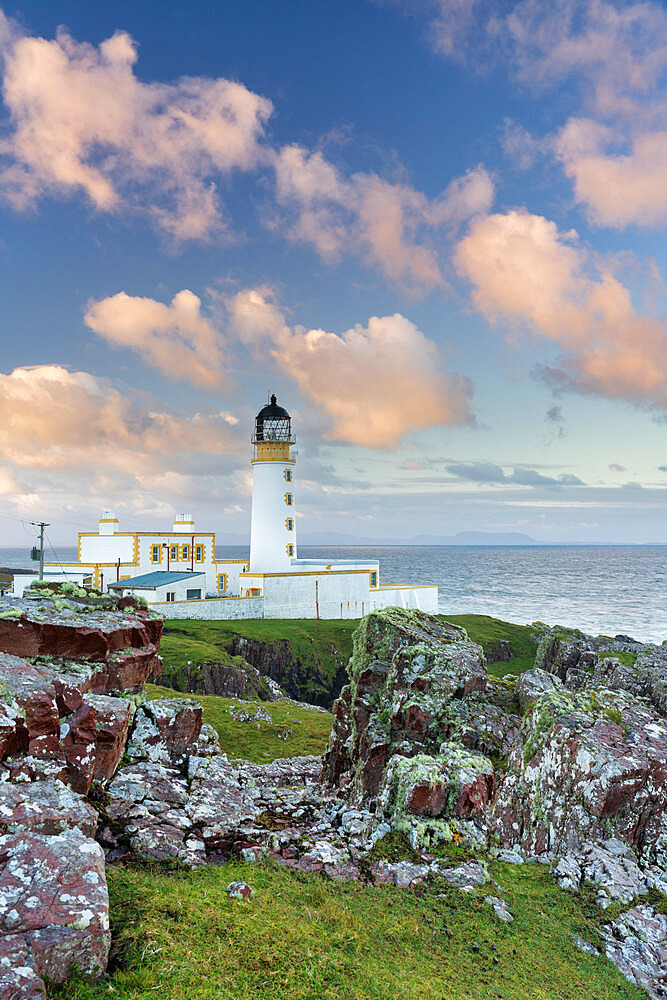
<point>601,589</point>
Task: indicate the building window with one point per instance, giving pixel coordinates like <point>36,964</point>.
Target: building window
<point>289,499</point>
<point>171,596</point>
<point>199,553</point>
<point>288,475</point>
<point>193,595</point>
<point>289,524</point>
<point>222,581</point>
<point>173,552</point>
<point>374,579</point>
<point>290,549</point>
<point>185,551</point>
<point>156,553</point>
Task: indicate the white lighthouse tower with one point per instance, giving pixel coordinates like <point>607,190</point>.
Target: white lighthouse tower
<point>273,522</point>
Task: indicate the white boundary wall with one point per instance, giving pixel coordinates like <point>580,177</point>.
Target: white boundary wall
<point>214,609</point>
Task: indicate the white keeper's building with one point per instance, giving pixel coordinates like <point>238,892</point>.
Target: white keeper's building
<point>178,573</point>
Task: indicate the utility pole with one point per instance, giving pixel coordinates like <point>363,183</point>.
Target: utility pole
<point>41,525</point>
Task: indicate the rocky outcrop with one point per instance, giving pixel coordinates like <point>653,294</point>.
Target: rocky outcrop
<point>63,663</point>
<point>54,905</point>
<point>405,671</point>
<point>567,765</point>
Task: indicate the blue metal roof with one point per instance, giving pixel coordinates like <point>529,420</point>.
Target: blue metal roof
<point>149,581</point>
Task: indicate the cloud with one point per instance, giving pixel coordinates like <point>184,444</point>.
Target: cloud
<point>617,189</point>
<point>555,415</point>
<point>82,122</point>
<point>412,464</point>
<point>662,468</point>
<point>375,382</point>
<point>176,339</point>
<point>524,271</point>
<point>487,472</point>
<point>59,421</point>
<point>387,224</point>
<point>615,467</point>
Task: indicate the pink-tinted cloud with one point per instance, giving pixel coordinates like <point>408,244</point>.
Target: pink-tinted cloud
<point>58,421</point>
<point>375,382</point>
<point>617,189</point>
<point>523,270</point>
<point>82,121</point>
<point>390,224</point>
<point>175,338</point>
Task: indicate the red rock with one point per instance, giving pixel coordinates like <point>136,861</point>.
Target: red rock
<point>428,800</point>
<point>53,893</point>
<point>32,692</point>
<point>78,734</point>
<point>112,721</point>
<point>46,806</point>
<point>19,978</point>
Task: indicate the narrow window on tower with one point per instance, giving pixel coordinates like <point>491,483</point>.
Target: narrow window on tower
<point>374,579</point>
<point>199,553</point>
<point>288,475</point>
<point>289,499</point>
<point>289,524</point>
<point>290,549</point>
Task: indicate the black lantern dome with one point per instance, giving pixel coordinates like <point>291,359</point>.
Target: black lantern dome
<point>273,423</point>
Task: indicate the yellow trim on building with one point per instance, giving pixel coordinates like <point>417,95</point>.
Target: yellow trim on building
<point>108,520</point>
<point>289,499</point>
<point>154,546</point>
<point>289,548</point>
<point>185,552</point>
<point>287,473</point>
<point>202,558</point>
<point>289,523</point>
<point>222,581</point>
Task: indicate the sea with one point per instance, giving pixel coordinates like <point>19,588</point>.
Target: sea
<point>599,589</point>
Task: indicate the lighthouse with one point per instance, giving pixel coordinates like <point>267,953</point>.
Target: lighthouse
<point>273,519</point>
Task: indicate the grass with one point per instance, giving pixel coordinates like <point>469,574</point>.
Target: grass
<point>263,741</point>
<point>319,649</point>
<point>485,630</point>
<point>176,935</point>
<point>629,659</point>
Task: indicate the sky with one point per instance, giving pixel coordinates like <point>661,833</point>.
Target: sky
<point>434,228</point>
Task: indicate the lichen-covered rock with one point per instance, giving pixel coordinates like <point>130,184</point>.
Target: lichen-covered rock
<point>594,765</point>
<point>405,669</point>
<point>637,945</point>
<point>609,866</point>
<point>165,730</point>
<point>533,683</point>
<point>403,874</point>
<point>466,877</point>
<point>454,783</point>
<point>53,894</point>
<point>19,978</point>
<point>79,631</point>
<point>47,807</point>
<point>112,721</point>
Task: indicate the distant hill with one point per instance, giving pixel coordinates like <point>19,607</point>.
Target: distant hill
<point>323,538</point>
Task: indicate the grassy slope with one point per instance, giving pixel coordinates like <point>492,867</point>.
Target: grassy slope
<point>311,642</point>
<point>301,938</point>
<point>484,630</point>
<point>260,742</point>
